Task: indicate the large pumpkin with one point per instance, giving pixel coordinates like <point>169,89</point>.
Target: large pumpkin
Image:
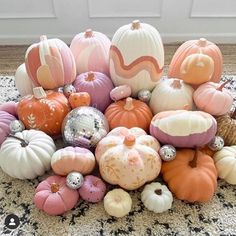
<point>43,111</point>
<point>91,52</point>
<point>128,157</point>
<point>197,46</point>
<point>136,56</point>
<point>191,176</point>
<point>50,63</point>
<point>183,128</point>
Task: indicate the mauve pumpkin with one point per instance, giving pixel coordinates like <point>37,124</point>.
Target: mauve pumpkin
<point>9,107</point>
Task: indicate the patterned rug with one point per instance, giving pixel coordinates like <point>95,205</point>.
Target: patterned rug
<point>217,217</point>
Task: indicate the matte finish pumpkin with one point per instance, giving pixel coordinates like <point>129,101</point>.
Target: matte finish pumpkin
<point>129,113</point>
<point>91,52</point>
<point>9,107</point>
<point>197,46</point>
<point>79,99</point>
<point>191,176</point>
<point>128,157</point>
<point>120,92</point>
<point>183,128</point>
<point>136,56</point>
<point>50,63</point>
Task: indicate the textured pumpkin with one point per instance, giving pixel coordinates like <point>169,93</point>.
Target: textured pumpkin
<point>196,46</point>
<point>183,128</point>
<point>191,176</point>
<point>225,162</point>
<point>9,107</point>
<point>79,99</point>
<point>54,197</point>
<point>128,157</point>
<point>43,111</point>
<point>27,154</point>
<point>129,113</point>
<point>98,86</point>
<point>71,159</point>
<point>171,94</point>
<point>91,52</point>
<point>50,63</point>
<point>213,98</point>
<point>136,56</point>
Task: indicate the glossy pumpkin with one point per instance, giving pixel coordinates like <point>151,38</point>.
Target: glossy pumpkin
<point>79,99</point>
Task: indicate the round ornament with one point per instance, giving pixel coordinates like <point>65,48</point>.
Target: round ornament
<point>144,95</point>
<point>68,90</point>
<point>74,180</point>
<point>216,144</point>
<point>167,153</point>
<point>16,126</point>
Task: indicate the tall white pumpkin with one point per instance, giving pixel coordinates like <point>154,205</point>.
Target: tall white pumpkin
<point>136,56</point>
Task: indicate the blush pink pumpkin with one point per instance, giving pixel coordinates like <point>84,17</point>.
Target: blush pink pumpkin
<point>120,92</point>
<point>9,107</point>
<point>54,197</point>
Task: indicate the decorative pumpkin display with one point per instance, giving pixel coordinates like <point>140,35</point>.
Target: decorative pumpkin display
<point>71,159</point>
<point>117,203</point>
<point>54,197</point>
<point>120,92</point>
<point>129,113</point>
<point>23,83</point>
<point>156,197</point>
<point>191,176</point>
<point>128,157</point>
<point>98,86</point>
<point>50,63</point>
<point>93,189</point>
<point>171,94</point>
<point>225,162</point>
<point>197,46</point>
<point>27,154</point>
<point>91,52</point>
<point>43,111</point>
<point>213,98</point>
<point>79,99</point>
<point>136,56</point>
<point>9,107</point>
<point>183,128</point>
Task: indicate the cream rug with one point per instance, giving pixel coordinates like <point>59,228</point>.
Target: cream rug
<point>217,217</point>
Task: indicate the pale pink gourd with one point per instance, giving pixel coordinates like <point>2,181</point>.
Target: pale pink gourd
<point>9,107</point>
<point>120,92</point>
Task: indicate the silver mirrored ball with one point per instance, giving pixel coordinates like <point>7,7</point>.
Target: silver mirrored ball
<point>74,180</point>
<point>16,126</point>
<point>167,152</point>
<point>68,90</point>
<point>144,95</point>
<point>216,144</point>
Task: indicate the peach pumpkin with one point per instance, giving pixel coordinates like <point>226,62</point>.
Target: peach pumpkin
<point>79,99</point>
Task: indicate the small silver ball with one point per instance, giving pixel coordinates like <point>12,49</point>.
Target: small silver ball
<point>216,144</point>
<point>16,126</point>
<point>68,90</point>
<point>144,95</point>
<point>167,153</point>
<point>74,180</point>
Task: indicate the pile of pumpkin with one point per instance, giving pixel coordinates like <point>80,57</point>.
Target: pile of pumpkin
<point>122,79</point>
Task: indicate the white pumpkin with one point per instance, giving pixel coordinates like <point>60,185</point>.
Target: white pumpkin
<point>171,94</point>
<point>23,83</point>
<point>136,56</point>
<point>27,154</point>
<point>225,161</point>
<point>156,197</point>
<point>117,202</point>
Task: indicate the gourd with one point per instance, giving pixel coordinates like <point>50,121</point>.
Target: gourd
<point>79,99</point>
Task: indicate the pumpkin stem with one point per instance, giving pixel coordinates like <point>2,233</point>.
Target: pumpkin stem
<point>43,37</point>
<point>193,163</point>
<point>135,25</point>
<point>158,191</point>
<point>176,84</point>
<point>39,93</point>
<point>202,42</point>
<point>54,187</point>
<point>23,142</point>
<point>223,85</point>
<point>88,33</point>
<point>90,76</point>
<point>129,140</point>
<point>129,104</point>
<point>186,107</point>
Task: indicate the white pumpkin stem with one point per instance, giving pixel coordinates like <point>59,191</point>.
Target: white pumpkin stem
<point>129,140</point>
<point>88,33</point>
<point>202,42</point>
<point>223,85</point>
<point>23,142</point>
<point>43,38</point>
<point>90,76</point>
<point>39,93</point>
<point>158,191</point>
<point>54,187</point>
<point>129,104</point>
<point>176,84</point>
<point>136,25</point>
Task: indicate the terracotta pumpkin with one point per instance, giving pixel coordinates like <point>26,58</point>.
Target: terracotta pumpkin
<point>128,157</point>
<point>50,63</point>
<point>79,99</point>
<point>129,113</point>
<point>136,56</point>
<point>196,46</point>
<point>191,176</point>
<point>9,107</point>
<point>43,111</point>
<point>213,98</point>
<point>183,128</point>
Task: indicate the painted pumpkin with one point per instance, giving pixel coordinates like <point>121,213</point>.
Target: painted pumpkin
<point>136,56</point>
<point>129,113</point>
<point>196,46</point>
<point>91,52</point>
<point>9,107</point>
<point>171,94</point>
<point>27,154</point>
<point>50,63</point>
<point>71,159</point>
<point>98,86</point>
<point>79,99</point>
<point>128,157</point>
<point>191,176</point>
<point>43,111</point>
<point>183,128</point>
<point>54,197</point>
<point>213,98</point>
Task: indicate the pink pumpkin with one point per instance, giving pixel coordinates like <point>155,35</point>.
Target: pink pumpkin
<point>50,63</point>
<point>98,86</point>
<point>9,107</point>
<point>91,52</point>
<point>54,197</point>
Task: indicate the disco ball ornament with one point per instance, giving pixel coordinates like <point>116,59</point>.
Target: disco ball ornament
<point>16,126</point>
<point>74,180</point>
<point>84,127</point>
<point>144,95</point>
<point>167,153</point>
<point>216,144</point>
<point>68,90</point>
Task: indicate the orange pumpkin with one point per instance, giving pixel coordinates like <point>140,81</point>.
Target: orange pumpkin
<point>43,111</point>
<point>129,113</point>
<point>79,99</point>
<point>191,176</point>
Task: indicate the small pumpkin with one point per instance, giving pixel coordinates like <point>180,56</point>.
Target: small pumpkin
<point>120,92</point>
<point>191,176</point>
<point>129,113</point>
<point>9,107</point>
<point>79,99</point>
